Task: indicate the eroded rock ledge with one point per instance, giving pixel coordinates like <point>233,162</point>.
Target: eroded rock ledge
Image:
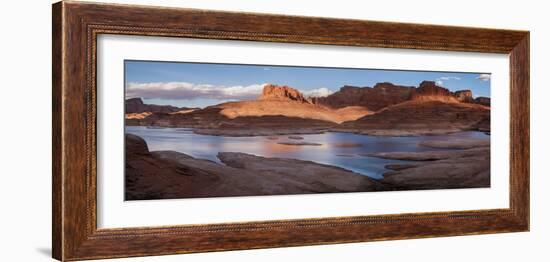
<point>468,167</point>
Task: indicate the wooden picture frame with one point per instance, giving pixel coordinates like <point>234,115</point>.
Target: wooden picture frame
<point>76,26</point>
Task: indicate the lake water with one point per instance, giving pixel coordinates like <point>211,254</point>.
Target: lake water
<point>337,149</point>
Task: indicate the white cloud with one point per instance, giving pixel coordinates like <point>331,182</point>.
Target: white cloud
<point>190,91</point>
<point>484,77</point>
<point>445,78</point>
<point>319,92</point>
<point>440,80</point>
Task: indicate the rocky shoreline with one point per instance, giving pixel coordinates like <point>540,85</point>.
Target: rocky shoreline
<point>463,164</point>
<point>170,174</point>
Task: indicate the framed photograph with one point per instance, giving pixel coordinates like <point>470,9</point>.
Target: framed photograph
<point>182,130</point>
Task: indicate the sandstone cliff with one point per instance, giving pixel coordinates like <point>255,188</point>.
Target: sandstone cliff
<point>282,93</point>
<point>429,91</point>
<point>375,98</point>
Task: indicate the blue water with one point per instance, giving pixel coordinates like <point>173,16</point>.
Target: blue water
<point>337,149</point>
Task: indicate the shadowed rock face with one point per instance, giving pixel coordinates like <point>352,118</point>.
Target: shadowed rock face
<point>211,122</point>
<point>420,117</point>
<point>386,94</point>
<point>483,101</point>
<point>375,98</point>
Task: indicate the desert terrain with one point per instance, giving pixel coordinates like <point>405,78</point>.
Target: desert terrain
<point>385,110</point>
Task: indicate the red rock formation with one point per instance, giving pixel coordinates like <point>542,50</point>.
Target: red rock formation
<point>375,98</point>
<point>429,91</point>
<point>426,109</point>
<point>275,92</point>
<point>421,117</point>
<point>464,96</point>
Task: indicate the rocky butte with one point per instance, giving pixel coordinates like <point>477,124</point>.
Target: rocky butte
<point>283,93</point>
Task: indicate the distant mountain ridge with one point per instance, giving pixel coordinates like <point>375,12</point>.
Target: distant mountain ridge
<point>373,98</point>
<point>136,105</point>
<point>386,94</point>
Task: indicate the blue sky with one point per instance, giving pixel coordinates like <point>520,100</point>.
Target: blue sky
<point>203,84</point>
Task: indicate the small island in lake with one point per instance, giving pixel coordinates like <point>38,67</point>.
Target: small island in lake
<point>274,139</point>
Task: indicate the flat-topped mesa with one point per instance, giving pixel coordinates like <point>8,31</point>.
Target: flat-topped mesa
<point>134,101</point>
<point>136,105</point>
<point>275,92</point>
<point>464,96</point>
<point>429,91</point>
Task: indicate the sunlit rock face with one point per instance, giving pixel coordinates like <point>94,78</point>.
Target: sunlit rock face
<point>429,91</point>
<point>275,92</point>
<point>464,96</point>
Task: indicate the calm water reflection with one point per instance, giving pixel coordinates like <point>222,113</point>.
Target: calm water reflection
<point>337,149</point>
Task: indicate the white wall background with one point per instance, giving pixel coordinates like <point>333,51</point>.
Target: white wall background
<point>25,105</point>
